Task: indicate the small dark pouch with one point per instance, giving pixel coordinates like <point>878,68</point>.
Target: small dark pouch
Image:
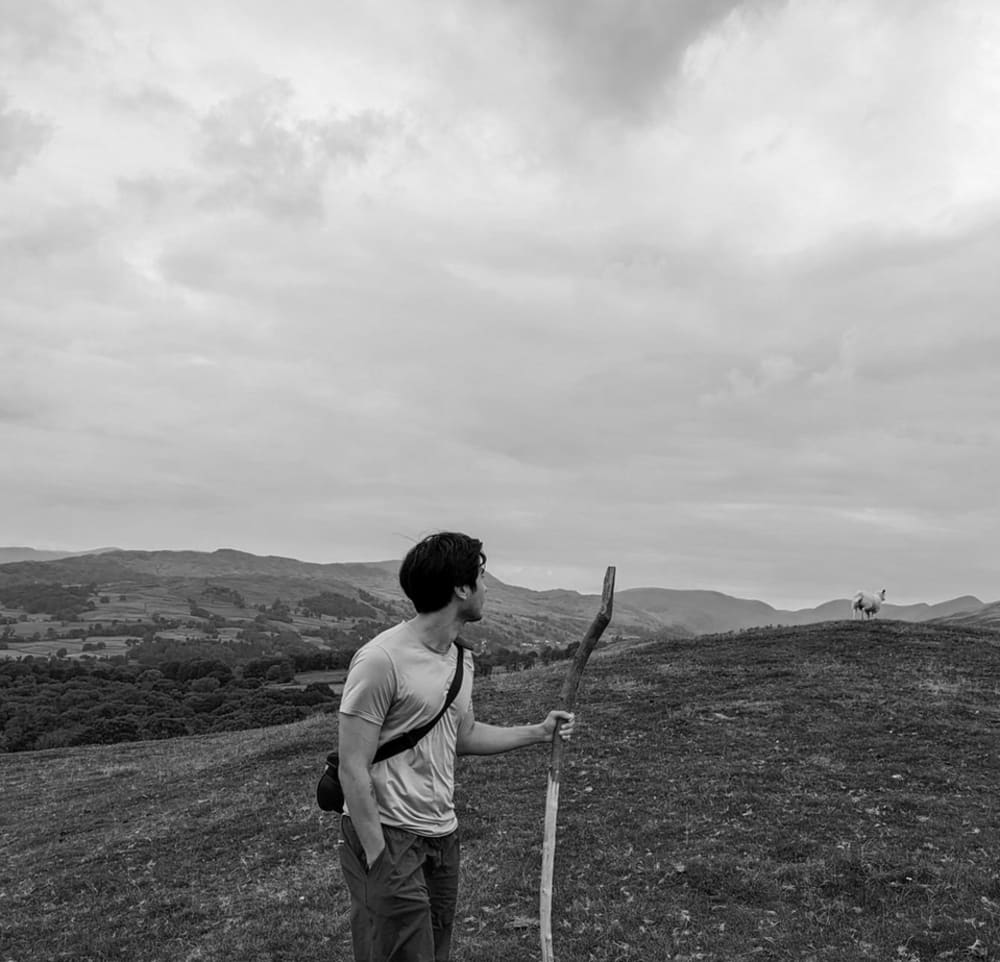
<point>330,795</point>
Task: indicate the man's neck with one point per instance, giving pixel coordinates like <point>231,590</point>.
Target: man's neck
<point>436,630</point>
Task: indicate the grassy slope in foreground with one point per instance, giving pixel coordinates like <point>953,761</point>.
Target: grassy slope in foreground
<point>818,793</point>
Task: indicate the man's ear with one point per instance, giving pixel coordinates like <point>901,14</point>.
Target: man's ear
<point>462,592</point>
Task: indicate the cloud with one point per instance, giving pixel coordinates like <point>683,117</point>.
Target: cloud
<point>772,371</point>
<point>37,31</point>
<point>269,158</point>
<point>263,161</point>
<point>22,137</point>
<point>617,60</point>
<point>906,523</point>
<point>704,290</point>
<point>150,99</point>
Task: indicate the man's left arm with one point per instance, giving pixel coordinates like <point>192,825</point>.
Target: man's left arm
<point>478,738</point>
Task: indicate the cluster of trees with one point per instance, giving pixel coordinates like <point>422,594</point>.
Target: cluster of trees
<point>164,687</point>
<point>135,632</point>
<point>226,595</point>
<point>240,654</point>
<point>62,602</point>
<point>49,703</point>
<point>511,660</point>
<point>386,607</point>
<point>108,629</point>
<point>335,606</point>
<point>352,637</point>
<point>278,610</point>
<point>53,703</point>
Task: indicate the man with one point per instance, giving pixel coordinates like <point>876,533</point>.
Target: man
<point>400,849</point>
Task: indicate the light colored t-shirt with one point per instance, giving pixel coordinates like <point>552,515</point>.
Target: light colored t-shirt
<point>397,682</point>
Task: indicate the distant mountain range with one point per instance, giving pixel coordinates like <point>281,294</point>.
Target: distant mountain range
<point>706,612</point>
<point>555,615</point>
<point>12,554</point>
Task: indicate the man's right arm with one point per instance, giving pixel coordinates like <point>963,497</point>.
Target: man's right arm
<point>358,741</point>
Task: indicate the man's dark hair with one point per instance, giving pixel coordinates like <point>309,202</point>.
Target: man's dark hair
<point>435,567</point>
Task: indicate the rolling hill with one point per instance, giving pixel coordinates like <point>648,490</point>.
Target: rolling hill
<point>988,616</point>
<point>706,612</point>
<point>824,793</point>
<point>170,582</point>
<point>11,554</point>
<point>517,614</point>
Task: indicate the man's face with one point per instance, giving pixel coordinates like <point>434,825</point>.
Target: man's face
<point>472,606</point>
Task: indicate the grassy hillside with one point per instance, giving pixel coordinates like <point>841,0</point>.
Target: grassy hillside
<point>986,617</point>
<point>165,581</point>
<point>136,584</point>
<point>818,793</point>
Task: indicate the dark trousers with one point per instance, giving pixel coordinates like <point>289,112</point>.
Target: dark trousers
<point>403,907</point>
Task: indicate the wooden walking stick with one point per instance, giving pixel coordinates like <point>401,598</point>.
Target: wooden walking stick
<point>567,698</point>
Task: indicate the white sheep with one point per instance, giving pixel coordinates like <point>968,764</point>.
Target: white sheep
<point>867,605</point>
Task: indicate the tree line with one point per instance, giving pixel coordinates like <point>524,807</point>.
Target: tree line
<point>53,703</point>
<point>164,689</point>
<point>166,686</point>
<point>62,602</point>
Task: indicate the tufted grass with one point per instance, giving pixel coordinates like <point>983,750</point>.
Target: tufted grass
<point>807,794</point>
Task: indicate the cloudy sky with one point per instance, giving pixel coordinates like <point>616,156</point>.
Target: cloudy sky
<point>705,289</point>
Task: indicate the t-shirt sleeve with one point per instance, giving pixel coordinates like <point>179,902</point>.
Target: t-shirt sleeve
<point>370,686</point>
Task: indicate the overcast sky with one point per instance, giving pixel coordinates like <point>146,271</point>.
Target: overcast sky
<point>707,290</point>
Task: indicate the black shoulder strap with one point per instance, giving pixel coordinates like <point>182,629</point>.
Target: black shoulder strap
<point>409,739</point>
